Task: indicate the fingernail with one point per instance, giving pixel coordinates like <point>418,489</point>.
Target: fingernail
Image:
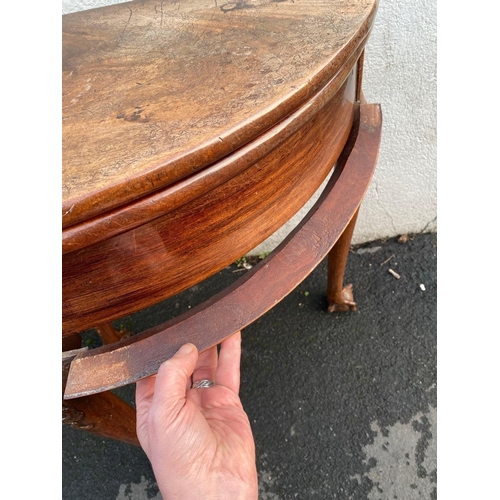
<point>186,349</point>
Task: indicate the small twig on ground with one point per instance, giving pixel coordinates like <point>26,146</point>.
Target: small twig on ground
<point>387,260</point>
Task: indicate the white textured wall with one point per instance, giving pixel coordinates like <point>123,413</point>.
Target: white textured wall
<point>76,5</point>
<point>400,73</point>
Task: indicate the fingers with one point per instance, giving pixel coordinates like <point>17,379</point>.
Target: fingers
<point>144,390</point>
<point>170,385</point>
<point>228,369</point>
<point>206,366</point>
<point>173,378</point>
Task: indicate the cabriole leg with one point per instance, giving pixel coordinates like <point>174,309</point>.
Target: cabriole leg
<point>340,298</point>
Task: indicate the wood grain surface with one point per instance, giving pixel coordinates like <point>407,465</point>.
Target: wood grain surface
<point>143,266</point>
<point>153,91</point>
<point>243,302</point>
<point>161,202</point>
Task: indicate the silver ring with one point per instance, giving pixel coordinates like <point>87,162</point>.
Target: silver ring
<point>202,384</point>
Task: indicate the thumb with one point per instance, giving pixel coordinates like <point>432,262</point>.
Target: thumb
<point>172,378</point>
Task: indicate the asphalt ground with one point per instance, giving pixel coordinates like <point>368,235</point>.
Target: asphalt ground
<point>342,405</point>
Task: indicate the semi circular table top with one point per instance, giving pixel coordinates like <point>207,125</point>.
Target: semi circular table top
<point>192,131</point>
<point>156,91</point>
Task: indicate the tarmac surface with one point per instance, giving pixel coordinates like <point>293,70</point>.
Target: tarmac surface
<point>341,406</point>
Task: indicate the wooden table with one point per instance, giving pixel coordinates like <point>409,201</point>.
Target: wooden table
<point>192,131</point>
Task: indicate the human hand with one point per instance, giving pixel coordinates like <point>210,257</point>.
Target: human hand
<point>199,441</point>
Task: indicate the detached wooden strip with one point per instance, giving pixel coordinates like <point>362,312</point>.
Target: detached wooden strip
<point>242,303</point>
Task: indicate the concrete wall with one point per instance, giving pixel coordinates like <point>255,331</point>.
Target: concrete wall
<point>400,73</point>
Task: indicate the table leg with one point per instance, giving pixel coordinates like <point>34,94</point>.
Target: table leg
<point>340,298</point>
<point>104,414</point>
<point>110,334</point>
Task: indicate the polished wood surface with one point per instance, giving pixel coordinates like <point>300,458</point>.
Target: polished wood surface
<point>329,222</point>
<point>155,92</point>
<point>167,178</point>
<point>141,267</point>
<point>153,206</point>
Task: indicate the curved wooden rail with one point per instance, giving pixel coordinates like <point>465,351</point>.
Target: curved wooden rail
<point>291,262</point>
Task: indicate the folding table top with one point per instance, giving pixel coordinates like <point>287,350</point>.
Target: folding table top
<point>155,91</point>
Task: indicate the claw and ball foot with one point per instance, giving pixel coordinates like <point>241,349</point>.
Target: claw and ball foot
<point>344,301</point>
